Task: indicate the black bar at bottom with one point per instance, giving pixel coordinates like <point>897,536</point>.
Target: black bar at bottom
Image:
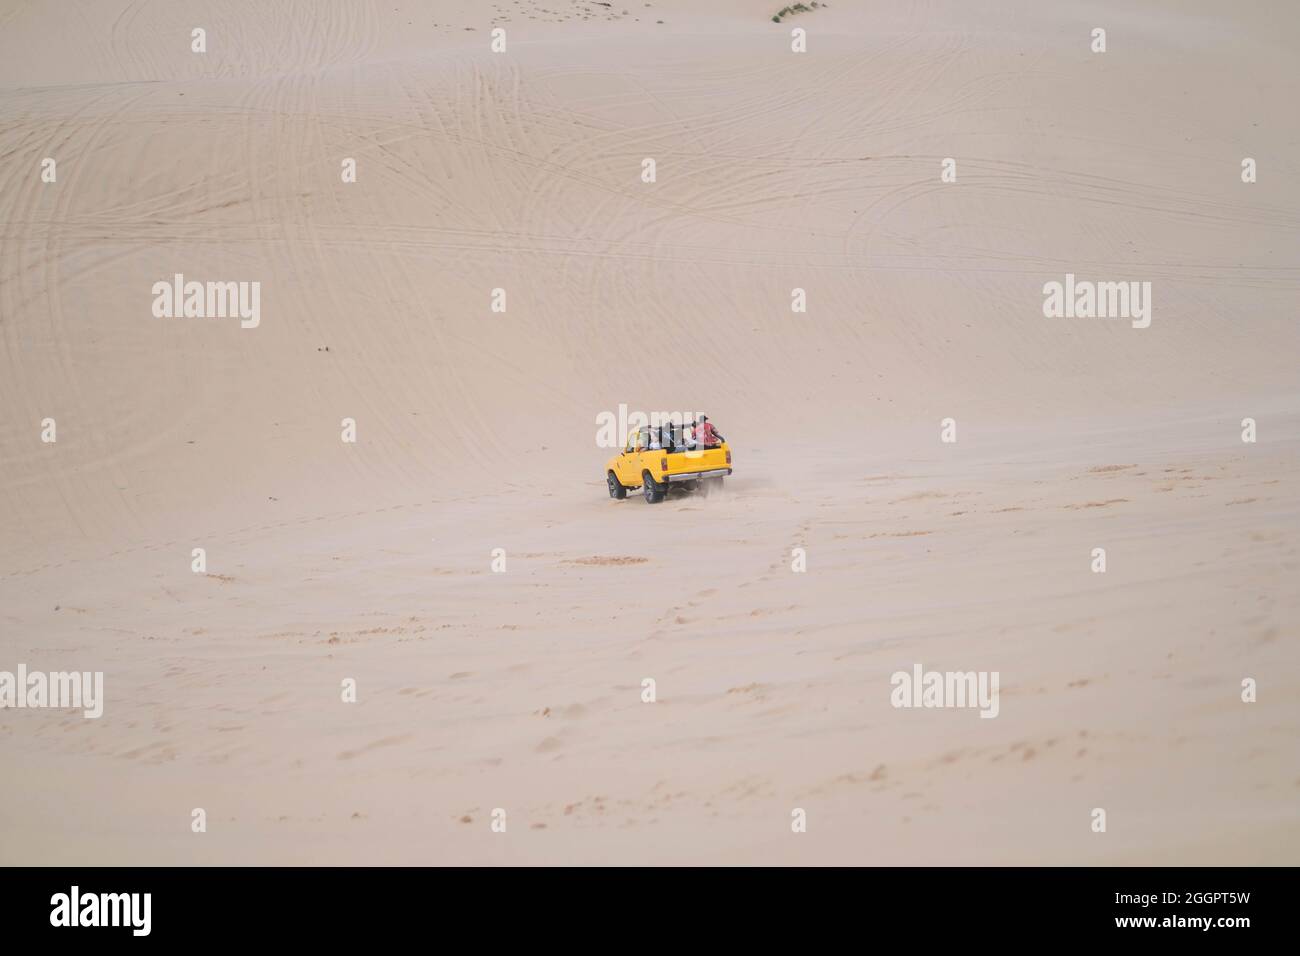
<point>371,905</point>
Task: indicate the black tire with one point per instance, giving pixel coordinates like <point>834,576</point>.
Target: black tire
<point>616,489</point>
<point>654,492</point>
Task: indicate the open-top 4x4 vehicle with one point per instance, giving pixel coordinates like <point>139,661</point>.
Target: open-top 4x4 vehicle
<point>654,469</point>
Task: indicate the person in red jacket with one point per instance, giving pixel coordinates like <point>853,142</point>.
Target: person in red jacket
<point>706,434</point>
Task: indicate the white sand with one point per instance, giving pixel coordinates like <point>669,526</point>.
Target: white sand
<point>476,430</point>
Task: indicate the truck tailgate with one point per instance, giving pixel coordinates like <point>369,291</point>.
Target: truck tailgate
<point>687,462</point>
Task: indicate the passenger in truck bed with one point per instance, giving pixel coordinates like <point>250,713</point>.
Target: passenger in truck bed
<point>706,434</point>
<point>667,438</point>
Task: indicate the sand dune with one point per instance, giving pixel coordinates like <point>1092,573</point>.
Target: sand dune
<point>522,690</point>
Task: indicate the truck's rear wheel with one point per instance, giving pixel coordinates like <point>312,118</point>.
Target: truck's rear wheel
<point>654,492</point>
<point>616,489</point>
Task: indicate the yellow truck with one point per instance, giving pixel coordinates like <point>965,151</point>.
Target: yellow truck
<point>645,463</point>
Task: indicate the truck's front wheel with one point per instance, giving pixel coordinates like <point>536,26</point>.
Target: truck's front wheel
<point>654,492</point>
<point>616,489</point>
